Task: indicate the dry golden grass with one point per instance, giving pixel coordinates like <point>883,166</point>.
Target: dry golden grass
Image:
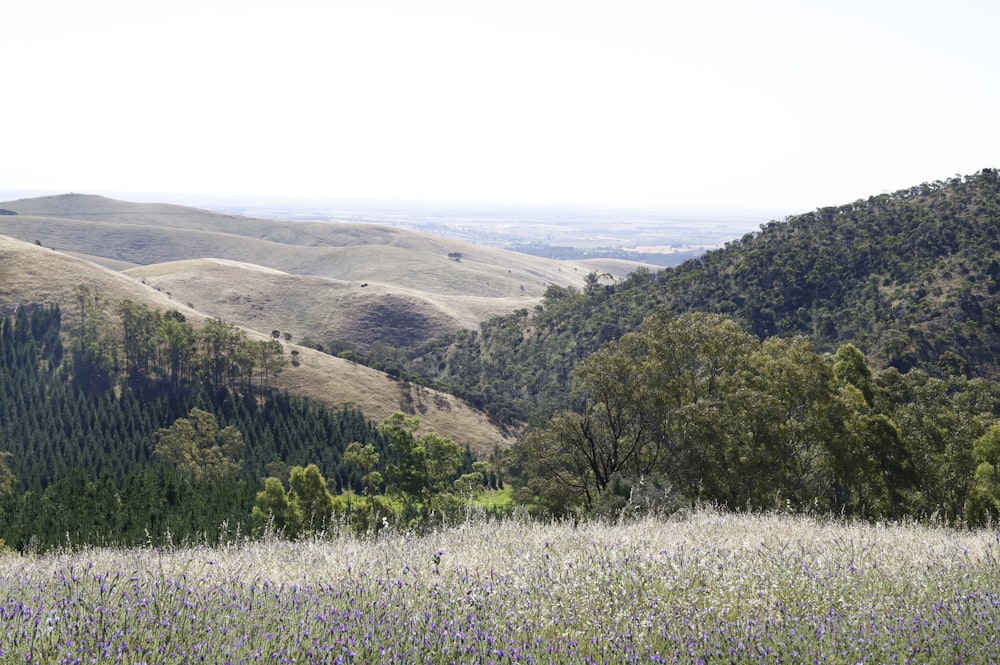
<point>322,308</point>
<point>706,588</point>
<point>358,283</point>
<point>337,382</point>
<point>33,274</point>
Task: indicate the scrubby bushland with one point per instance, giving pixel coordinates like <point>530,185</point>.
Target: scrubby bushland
<point>911,278</point>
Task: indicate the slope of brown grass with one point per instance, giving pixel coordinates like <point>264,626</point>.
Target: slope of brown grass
<point>345,282</point>
<point>33,274</point>
<point>338,382</point>
<point>331,282</point>
<point>321,308</point>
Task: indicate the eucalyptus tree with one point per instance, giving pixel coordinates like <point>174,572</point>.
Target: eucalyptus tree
<point>695,400</point>
<point>199,448</point>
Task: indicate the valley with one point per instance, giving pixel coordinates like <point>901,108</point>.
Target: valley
<point>842,361</point>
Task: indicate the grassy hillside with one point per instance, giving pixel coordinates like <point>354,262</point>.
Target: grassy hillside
<point>327,309</point>
<point>30,273</point>
<point>350,285</point>
<point>33,274</point>
<point>330,282</point>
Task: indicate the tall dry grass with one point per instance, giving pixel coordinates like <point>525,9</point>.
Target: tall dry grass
<point>707,587</point>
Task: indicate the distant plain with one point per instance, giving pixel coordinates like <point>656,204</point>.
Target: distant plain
<point>662,236</point>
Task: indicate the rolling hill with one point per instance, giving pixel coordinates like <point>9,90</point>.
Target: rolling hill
<point>330,282</point>
<point>344,284</point>
<point>33,274</point>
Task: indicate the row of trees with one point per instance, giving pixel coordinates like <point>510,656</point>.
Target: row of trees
<point>154,505</point>
<point>133,341</point>
<point>695,404</point>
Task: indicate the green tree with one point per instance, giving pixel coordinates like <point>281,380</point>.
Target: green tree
<point>311,497</point>
<point>424,462</point>
<point>651,401</point>
<point>274,509</point>
<point>269,357</point>
<point>139,324</point>
<point>554,466</point>
<point>984,495</point>
<point>219,342</point>
<point>306,508</point>
<point>177,343</point>
<point>93,347</point>
<point>470,484</point>
<point>422,469</point>
<point>364,458</point>
<point>779,417</point>
<point>699,403</point>
<point>7,479</point>
<point>850,367</point>
<point>939,422</point>
<point>199,449</point>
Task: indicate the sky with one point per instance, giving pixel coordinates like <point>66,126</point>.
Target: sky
<point>715,104</point>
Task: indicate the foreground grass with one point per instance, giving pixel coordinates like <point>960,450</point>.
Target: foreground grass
<point>707,588</point>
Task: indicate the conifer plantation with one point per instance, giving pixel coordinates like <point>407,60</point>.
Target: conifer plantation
<point>80,429</point>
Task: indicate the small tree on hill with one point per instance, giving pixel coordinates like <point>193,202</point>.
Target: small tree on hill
<point>307,507</point>
<point>426,461</point>
<point>309,492</point>
<point>364,459</point>
<point>425,465</point>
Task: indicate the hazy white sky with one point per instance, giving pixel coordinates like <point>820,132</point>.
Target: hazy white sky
<point>776,104</point>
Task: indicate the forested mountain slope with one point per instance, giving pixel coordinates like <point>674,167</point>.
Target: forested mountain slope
<point>912,278</point>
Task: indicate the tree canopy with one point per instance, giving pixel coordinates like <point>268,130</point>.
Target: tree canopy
<point>197,447</point>
<point>717,415</point>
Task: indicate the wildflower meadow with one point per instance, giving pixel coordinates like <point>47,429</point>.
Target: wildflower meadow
<point>710,587</point>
